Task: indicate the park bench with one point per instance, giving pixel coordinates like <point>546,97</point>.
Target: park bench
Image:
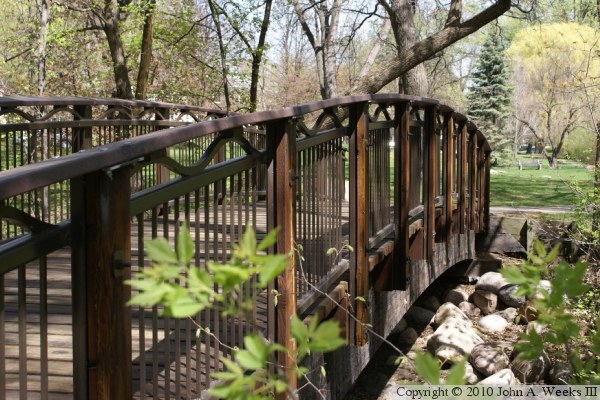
<point>537,164</point>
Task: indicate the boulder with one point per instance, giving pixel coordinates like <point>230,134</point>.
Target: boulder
<point>452,340</point>
<point>493,323</point>
<point>471,376</point>
<point>408,337</point>
<point>485,300</point>
<point>531,371</point>
<point>470,309</point>
<point>419,315</point>
<point>509,314</point>
<point>501,378</point>
<point>430,302</point>
<point>560,374</point>
<point>491,282</point>
<point>456,296</point>
<point>507,294</point>
<point>449,311</point>
<point>488,359</point>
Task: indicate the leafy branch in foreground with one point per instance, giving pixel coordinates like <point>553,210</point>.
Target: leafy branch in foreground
<point>561,330</point>
<point>231,288</point>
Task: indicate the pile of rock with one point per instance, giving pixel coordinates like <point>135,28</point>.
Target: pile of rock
<point>466,325</point>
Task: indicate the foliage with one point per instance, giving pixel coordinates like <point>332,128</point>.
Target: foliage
<point>184,290</point>
<point>429,368</point>
<point>490,98</point>
<point>557,73</point>
<point>553,308</point>
<point>577,147</point>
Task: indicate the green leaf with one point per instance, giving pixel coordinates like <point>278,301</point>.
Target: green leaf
<point>271,269</point>
<point>256,346</point>
<point>323,371</point>
<point>185,245</point>
<point>181,305</point>
<point>248,243</point>
<point>248,360</point>
<point>361,299</point>
<point>456,376</point>
<point>280,386</point>
<point>326,337</point>
<point>160,251</point>
<point>269,240</point>
<point>428,368</point>
<point>150,297</point>
<point>331,251</point>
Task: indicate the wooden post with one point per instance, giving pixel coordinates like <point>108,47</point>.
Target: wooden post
<point>472,179</point>
<point>101,256</point>
<point>462,176</point>
<point>486,201</point>
<point>359,236</point>
<point>82,136</point>
<point>429,184</point>
<point>401,272</point>
<point>281,203</point>
<point>162,172</point>
<point>448,174</point>
<point>481,166</point>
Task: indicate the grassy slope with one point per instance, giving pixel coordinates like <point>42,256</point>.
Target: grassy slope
<point>546,187</point>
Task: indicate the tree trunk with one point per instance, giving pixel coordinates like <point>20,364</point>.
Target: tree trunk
<point>42,46</point>
<point>141,90</point>
<point>117,51</point>
<point>427,48</point>
<point>413,81</point>
<point>223,53</point>
<point>258,55</point>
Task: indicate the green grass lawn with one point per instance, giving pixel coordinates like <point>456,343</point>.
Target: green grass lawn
<point>532,187</point>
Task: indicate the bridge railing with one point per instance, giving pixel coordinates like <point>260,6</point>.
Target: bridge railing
<point>387,174</point>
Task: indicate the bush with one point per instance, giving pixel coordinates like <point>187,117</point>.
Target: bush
<point>579,146</point>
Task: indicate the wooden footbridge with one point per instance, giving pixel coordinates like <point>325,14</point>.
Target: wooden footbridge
<point>84,183</point>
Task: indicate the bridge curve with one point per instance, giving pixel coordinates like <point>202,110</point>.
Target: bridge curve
<point>83,182</point>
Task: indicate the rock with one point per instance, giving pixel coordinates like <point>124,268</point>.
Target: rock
<point>501,378</point>
<point>493,323</point>
<point>509,314</point>
<point>471,377</point>
<point>448,311</point>
<point>485,300</point>
<point>456,296</point>
<point>419,315</point>
<point>408,336</point>
<point>560,374</point>
<point>488,359</point>
<point>401,326</point>
<point>491,282</point>
<point>531,371</point>
<point>430,302</point>
<point>507,295</point>
<point>452,340</point>
<point>545,284</point>
<point>534,325</point>
<point>470,309</point>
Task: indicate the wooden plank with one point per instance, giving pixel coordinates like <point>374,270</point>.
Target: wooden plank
<point>486,203</point>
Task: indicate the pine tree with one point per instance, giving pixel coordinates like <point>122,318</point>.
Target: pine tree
<point>490,98</point>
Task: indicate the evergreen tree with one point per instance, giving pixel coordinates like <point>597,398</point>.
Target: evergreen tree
<point>489,98</point>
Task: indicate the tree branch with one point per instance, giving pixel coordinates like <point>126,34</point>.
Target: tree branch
<point>424,49</point>
<point>454,14</point>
